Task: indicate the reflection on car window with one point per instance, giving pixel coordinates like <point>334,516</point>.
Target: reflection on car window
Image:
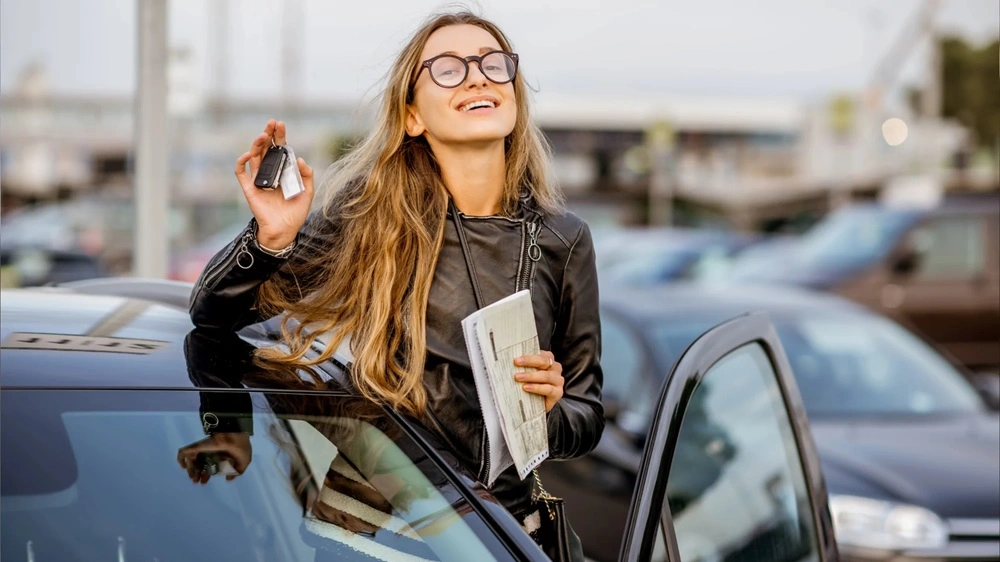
<point>951,247</point>
<point>867,365</point>
<point>736,489</point>
<point>315,488</point>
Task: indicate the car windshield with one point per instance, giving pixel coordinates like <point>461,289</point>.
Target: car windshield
<point>852,365</point>
<point>852,237</point>
<point>756,261</point>
<point>647,264</point>
<point>104,475</point>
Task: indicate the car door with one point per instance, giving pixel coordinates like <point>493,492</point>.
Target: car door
<point>602,481</point>
<point>730,470</point>
<point>951,296</point>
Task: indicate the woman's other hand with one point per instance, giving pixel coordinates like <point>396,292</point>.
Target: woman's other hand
<point>278,220</point>
<point>233,447</point>
<point>547,380</point>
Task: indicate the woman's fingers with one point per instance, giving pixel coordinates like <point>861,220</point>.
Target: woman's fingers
<point>306,171</point>
<point>279,132</point>
<point>242,176</point>
<point>543,377</point>
<point>257,151</point>
<point>546,380</point>
<point>551,392</point>
<point>544,361</point>
<point>547,390</point>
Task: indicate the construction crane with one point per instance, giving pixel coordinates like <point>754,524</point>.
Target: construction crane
<point>889,67</point>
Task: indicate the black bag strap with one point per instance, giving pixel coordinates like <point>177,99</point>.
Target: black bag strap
<point>541,493</point>
<point>469,264</point>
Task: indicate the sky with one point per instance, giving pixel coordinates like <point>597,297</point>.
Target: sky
<point>711,48</point>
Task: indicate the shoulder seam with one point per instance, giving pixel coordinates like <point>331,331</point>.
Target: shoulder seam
<point>558,234</point>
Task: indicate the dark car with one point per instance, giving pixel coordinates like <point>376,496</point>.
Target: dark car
<point>934,269</point>
<point>651,256</point>
<point>129,435</point>
<point>28,266</point>
<point>910,452</point>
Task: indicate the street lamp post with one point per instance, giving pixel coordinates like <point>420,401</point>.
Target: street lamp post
<point>151,146</point>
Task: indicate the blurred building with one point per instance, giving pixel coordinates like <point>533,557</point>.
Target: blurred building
<point>746,163</point>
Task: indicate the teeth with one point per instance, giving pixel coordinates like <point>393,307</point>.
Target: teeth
<point>475,104</point>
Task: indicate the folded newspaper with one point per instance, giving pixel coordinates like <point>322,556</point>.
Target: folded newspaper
<point>516,430</point>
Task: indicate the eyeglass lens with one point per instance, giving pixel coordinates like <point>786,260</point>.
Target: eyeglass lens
<point>450,71</point>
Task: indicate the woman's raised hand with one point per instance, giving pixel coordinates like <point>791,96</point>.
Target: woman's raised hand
<point>278,220</point>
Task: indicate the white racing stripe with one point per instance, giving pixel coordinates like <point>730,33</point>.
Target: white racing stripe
<point>360,543</point>
<point>340,466</point>
<point>366,513</point>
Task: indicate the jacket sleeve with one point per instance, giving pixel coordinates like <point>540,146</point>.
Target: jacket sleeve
<point>576,421</point>
<point>225,294</point>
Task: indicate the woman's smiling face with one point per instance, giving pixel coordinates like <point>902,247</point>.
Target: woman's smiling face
<point>443,115</point>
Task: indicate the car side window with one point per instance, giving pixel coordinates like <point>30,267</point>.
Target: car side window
<point>949,247</point>
<point>736,488</point>
<point>619,348</point>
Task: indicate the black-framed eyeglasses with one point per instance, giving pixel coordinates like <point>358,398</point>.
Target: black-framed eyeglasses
<point>450,71</point>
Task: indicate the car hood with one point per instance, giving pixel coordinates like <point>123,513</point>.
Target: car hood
<point>948,464</point>
<point>794,272</point>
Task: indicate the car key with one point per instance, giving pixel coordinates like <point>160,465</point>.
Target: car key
<point>270,167</point>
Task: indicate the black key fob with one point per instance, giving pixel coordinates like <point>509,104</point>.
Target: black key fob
<point>270,167</point>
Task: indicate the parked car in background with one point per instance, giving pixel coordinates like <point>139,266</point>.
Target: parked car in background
<point>935,269</point>
<point>763,256</point>
<point>188,264</point>
<point>910,451</point>
<point>28,266</point>
<point>99,226</point>
<point>119,421</point>
<point>651,256</point>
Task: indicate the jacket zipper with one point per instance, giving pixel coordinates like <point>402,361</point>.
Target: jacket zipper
<point>530,253</point>
<point>533,252</point>
<point>233,259</point>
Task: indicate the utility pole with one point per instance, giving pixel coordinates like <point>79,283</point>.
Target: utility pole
<point>292,37</point>
<point>930,99</point>
<point>660,138</point>
<point>151,148</point>
<point>219,57</point>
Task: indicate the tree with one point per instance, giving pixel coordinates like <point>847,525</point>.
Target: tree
<point>970,85</point>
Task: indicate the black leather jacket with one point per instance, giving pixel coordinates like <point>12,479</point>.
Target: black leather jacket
<point>563,283</point>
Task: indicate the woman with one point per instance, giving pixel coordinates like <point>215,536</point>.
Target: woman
<point>446,205</point>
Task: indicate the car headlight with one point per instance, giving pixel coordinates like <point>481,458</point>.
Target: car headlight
<point>868,523</point>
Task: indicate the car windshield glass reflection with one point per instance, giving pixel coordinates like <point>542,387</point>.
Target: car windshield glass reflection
<point>648,264</point>
<point>874,367</point>
<point>852,365</point>
<point>135,472</point>
<point>736,490</point>
<point>852,237</point>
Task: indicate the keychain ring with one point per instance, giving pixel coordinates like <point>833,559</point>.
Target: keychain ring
<point>209,420</point>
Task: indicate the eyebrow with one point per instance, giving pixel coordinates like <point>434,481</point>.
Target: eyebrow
<point>481,51</point>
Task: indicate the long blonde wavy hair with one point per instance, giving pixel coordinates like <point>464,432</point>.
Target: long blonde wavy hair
<point>387,205</point>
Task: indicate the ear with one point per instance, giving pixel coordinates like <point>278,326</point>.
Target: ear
<point>414,124</point>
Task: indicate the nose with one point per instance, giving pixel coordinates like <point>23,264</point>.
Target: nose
<point>476,76</point>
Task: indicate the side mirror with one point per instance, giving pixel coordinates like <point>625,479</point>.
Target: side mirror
<point>906,261</point>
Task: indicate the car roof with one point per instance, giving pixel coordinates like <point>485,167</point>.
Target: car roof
<point>71,336</point>
<point>958,203</point>
<point>694,300</point>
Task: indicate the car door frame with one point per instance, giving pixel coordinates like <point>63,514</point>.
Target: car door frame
<point>916,300</point>
<point>649,507</point>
